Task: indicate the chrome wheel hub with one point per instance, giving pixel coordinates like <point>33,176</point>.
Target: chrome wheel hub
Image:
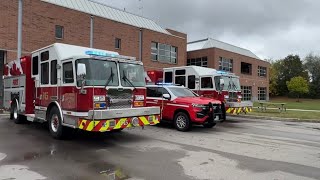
<point>54,123</point>
<point>181,122</point>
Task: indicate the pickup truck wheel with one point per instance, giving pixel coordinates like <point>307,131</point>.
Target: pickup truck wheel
<point>55,124</point>
<point>182,122</point>
<point>209,125</point>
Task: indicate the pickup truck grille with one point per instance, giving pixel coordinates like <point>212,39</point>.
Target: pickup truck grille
<point>119,98</point>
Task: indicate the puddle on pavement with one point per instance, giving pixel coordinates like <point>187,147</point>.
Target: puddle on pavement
<point>110,172</point>
<point>316,128</point>
<point>291,124</point>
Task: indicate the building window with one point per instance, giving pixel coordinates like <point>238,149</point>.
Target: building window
<point>246,68</point>
<point>226,64</point>
<point>117,43</point>
<point>59,32</point>
<point>246,93</point>
<point>206,83</point>
<point>54,72</point>
<point>68,73</point>
<point>192,82</point>
<point>203,62</point>
<point>262,71</point>
<point>262,93</point>
<point>45,73</point>
<point>163,53</point>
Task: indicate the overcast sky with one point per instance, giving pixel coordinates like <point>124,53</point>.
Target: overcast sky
<point>269,28</point>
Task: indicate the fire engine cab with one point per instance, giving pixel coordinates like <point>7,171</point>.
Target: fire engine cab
<point>206,82</point>
<point>183,107</point>
<point>73,87</point>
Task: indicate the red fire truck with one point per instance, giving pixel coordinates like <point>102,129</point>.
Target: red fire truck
<point>207,82</point>
<point>73,87</point>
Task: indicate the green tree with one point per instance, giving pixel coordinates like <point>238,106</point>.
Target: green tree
<point>289,67</point>
<point>312,64</point>
<point>298,85</point>
<point>273,78</point>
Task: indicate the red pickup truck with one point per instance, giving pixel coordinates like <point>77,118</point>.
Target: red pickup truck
<point>183,107</point>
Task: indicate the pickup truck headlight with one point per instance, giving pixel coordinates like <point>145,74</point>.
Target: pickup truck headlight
<point>226,96</point>
<point>239,97</point>
<point>99,98</point>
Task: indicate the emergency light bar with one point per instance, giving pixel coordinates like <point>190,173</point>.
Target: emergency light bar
<point>110,55</point>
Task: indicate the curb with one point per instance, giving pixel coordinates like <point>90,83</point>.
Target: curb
<point>276,118</point>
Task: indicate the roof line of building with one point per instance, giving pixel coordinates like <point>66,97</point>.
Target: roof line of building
<point>94,1</point>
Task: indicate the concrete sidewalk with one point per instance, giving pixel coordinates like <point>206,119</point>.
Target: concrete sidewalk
<point>301,110</point>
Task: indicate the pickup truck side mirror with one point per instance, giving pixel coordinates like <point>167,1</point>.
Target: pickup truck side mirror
<point>166,96</point>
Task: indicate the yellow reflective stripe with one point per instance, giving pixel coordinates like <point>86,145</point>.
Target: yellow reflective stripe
<point>144,120</point>
<point>120,123</point>
<point>105,128</point>
<point>81,124</point>
<point>229,110</point>
<point>239,110</point>
<point>90,126</point>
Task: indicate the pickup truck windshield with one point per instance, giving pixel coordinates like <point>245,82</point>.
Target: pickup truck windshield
<point>99,72</point>
<point>132,75</point>
<point>182,92</point>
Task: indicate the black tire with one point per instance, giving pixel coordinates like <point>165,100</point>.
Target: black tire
<point>14,114</point>
<point>56,128</point>
<point>209,125</point>
<point>182,122</point>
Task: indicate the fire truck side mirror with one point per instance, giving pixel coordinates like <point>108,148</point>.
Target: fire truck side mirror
<point>81,71</point>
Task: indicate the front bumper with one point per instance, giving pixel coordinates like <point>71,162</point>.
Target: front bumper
<point>238,108</point>
<point>107,120</point>
<point>215,113</point>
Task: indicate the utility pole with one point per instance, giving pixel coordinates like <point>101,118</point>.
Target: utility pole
<point>20,8</point>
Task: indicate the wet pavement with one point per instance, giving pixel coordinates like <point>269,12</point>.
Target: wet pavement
<point>238,149</point>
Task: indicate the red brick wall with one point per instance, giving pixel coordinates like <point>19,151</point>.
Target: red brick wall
<point>253,80</point>
<point>40,19</point>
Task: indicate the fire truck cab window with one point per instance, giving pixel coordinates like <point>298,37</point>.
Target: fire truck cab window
<point>44,56</point>
<point>192,82</point>
<point>206,82</point>
<point>35,65</point>
<point>168,77</point>
<point>54,72</point>
<point>68,73</point>
<point>180,72</point>
<point>45,73</point>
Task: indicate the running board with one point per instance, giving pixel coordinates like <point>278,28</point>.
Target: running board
<point>30,117</point>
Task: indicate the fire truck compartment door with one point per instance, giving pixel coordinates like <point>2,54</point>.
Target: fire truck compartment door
<point>120,113</point>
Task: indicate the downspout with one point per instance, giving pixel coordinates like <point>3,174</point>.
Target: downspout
<point>91,30</point>
<point>20,6</point>
<point>140,44</point>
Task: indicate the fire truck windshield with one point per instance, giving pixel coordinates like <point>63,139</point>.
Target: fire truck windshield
<point>131,75</point>
<point>98,72</point>
<point>182,92</point>
<point>230,83</point>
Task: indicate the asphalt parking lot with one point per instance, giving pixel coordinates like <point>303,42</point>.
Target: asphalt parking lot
<point>238,149</point>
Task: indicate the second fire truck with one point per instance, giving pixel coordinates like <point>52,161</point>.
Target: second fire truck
<point>207,82</point>
<point>73,87</point>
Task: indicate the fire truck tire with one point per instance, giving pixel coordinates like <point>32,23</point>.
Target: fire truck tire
<point>182,122</point>
<point>14,114</point>
<point>57,130</point>
<point>209,125</point>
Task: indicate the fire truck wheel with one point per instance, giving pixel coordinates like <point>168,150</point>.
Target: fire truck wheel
<point>55,125</point>
<point>14,115</point>
<point>209,125</point>
<point>182,122</point>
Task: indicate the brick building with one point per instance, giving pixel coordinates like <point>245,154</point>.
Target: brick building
<point>253,72</point>
<point>71,21</point>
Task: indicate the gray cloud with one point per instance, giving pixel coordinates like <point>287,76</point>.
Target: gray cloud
<point>271,29</point>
